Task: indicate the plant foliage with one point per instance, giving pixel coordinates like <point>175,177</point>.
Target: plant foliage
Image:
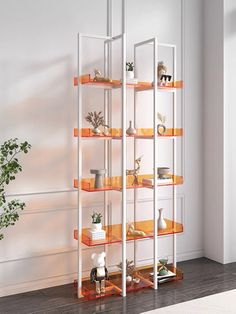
<point>96,119</point>
<point>129,66</point>
<point>9,167</point>
<point>96,218</point>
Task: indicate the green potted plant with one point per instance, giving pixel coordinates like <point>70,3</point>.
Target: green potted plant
<point>129,70</point>
<point>96,221</point>
<point>9,167</point>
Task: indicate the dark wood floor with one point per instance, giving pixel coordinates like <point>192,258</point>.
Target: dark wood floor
<point>202,277</point>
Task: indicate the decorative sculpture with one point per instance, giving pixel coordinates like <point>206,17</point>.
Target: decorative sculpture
<point>134,232</point>
<point>161,128</point>
<point>99,273</point>
<point>163,270</point>
<point>163,78</point>
<point>98,184</point>
<point>99,78</point>
<point>135,172</point>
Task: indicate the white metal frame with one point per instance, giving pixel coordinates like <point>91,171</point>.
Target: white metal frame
<point>108,144</point>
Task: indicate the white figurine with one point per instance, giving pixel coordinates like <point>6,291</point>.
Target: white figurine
<point>99,273</point>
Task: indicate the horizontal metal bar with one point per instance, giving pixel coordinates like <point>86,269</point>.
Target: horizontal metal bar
<point>145,42</point>
<point>113,38</point>
<point>95,36</point>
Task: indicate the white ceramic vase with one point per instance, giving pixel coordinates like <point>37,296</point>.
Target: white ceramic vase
<point>131,130</point>
<point>129,75</point>
<point>96,131</point>
<point>96,226</point>
<point>161,221</point>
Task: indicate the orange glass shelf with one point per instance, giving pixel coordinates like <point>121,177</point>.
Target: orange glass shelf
<point>114,232</point>
<point>141,86</point>
<point>142,133</point>
<point>115,183</point>
<point>114,284</point>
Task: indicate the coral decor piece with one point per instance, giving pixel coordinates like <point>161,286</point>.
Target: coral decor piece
<point>135,172</point>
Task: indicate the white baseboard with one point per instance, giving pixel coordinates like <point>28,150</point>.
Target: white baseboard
<point>69,278</point>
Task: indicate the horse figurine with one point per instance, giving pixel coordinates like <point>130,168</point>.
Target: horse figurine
<point>135,172</point>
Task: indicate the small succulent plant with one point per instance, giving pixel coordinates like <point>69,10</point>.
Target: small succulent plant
<point>129,66</point>
<point>96,218</point>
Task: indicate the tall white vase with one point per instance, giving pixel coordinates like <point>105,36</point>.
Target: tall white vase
<point>161,221</point>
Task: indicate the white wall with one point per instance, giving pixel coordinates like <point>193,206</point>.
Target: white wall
<point>38,103</point>
<point>213,115</point>
<point>229,129</point>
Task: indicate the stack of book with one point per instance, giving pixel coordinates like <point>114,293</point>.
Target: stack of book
<point>132,81</point>
<point>164,180</point>
<point>164,278</point>
<point>96,234</point>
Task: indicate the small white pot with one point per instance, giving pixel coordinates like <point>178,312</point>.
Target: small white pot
<point>97,226</point>
<point>129,75</point>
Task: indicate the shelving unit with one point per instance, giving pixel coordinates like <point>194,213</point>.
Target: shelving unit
<point>117,233</point>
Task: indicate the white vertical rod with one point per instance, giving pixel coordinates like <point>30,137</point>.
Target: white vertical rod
<point>135,156</point>
<point>174,161</point>
<point>106,158</point>
<point>124,24</point>
<point>79,164</point>
<point>155,208</point>
<point>124,165</point>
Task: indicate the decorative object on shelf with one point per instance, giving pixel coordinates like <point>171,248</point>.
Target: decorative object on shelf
<point>130,272</point>
<point>99,173</point>
<point>135,172</point>
<point>96,232</point>
<point>9,167</point>
<point>99,78</point>
<point>161,128</point>
<point>163,271</point>
<point>161,221</point>
<point>131,130</point>
<point>96,120</point>
<point>99,273</point>
<point>129,70</point>
<point>163,172</point>
<point>163,78</point>
<point>134,232</point>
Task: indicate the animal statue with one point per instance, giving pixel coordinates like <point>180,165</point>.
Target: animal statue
<point>135,172</point>
<point>99,272</point>
<point>134,232</point>
<point>99,78</point>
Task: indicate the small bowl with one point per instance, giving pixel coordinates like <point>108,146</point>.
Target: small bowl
<point>163,171</point>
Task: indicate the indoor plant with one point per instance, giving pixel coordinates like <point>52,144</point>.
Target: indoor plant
<point>97,120</point>
<point>9,167</point>
<point>96,221</point>
<point>129,70</point>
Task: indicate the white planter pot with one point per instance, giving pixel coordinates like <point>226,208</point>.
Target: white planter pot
<point>97,226</point>
<point>129,74</point>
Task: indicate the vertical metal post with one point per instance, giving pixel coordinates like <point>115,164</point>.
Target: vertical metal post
<point>124,24</point>
<point>135,156</point>
<point>124,164</point>
<point>79,164</point>
<point>174,160</point>
<point>155,62</point>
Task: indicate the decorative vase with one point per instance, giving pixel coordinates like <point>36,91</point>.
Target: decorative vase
<point>128,278</point>
<point>161,129</point>
<point>99,173</point>
<point>129,75</point>
<point>96,131</point>
<point>131,130</point>
<point>161,221</point>
<point>97,226</point>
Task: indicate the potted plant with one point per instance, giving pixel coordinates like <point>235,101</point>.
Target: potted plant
<point>9,167</point>
<point>129,70</point>
<point>97,120</point>
<point>96,221</point>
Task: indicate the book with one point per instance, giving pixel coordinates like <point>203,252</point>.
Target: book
<point>164,278</point>
<point>150,182</point>
<point>96,234</point>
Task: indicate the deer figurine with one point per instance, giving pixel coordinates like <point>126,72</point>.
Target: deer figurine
<point>135,172</point>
